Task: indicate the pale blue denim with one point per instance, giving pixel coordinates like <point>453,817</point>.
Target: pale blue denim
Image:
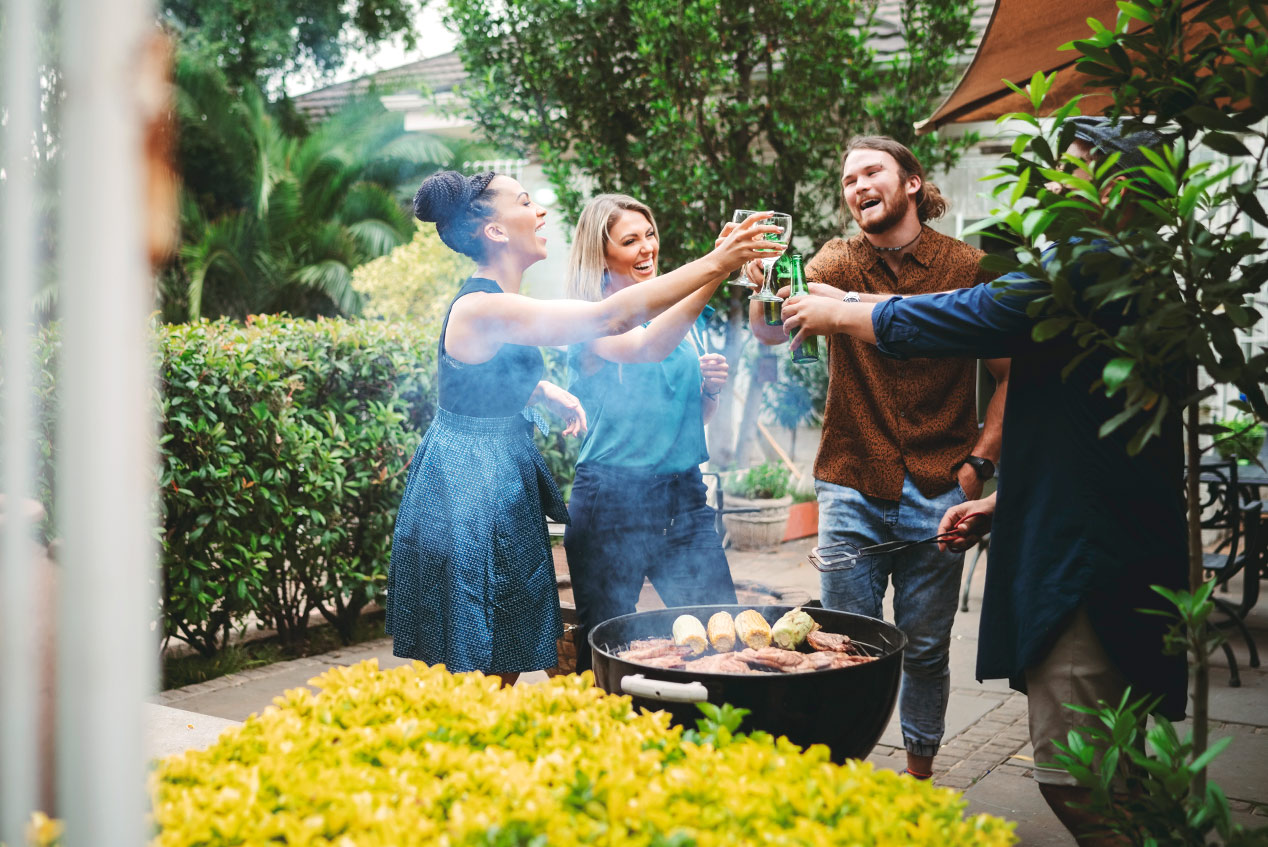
<point>926,591</point>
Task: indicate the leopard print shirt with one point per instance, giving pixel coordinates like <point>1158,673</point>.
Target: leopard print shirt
<point>886,418</point>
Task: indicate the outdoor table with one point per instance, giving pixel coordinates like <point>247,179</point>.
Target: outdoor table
<point>1251,481</point>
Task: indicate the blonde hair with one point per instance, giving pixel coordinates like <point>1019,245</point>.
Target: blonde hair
<point>587,265</point>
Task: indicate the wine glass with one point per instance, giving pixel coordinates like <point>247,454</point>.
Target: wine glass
<point>784,222</point>
<point>740,216</point>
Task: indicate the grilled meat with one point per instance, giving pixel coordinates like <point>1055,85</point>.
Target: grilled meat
<point>829,642</point>
<point>651,648</point>
<point>774,658</point>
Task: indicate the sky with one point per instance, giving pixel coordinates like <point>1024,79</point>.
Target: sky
<point>433,40</point>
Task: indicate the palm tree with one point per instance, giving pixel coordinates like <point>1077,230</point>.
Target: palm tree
<point>275,220</point>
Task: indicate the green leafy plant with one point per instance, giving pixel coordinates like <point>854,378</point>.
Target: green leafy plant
<point>1145,783</point>
<point>417,755</point>
<point>803,496</point>
<point>797,397</point>
<point>274,219</point>
<point>719,726</point>
<point>1242,438</point>
<point>1168,245</point>
<point>767,481</point>
<point>285,445</point>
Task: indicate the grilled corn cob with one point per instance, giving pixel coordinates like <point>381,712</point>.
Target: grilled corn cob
<point>791,629</point>
<point>689,632</point>
<point>752,629</point>
<point>722,632</point>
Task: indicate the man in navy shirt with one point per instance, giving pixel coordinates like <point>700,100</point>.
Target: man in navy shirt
<point>1082,528</point>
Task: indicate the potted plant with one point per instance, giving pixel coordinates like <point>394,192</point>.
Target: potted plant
<point>764,490</point>
<point>803,516</point>
<point>797,398</point>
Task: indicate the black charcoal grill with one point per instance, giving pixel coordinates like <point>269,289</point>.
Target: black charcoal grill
<point>845,708</point>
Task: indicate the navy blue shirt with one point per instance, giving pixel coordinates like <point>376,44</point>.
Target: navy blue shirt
<point>498,388</point>
<point>1078,520</point>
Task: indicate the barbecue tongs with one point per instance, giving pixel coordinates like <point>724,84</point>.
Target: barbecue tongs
<point>844,555</point>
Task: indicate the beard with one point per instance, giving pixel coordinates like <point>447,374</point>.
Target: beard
<point>896,210</point>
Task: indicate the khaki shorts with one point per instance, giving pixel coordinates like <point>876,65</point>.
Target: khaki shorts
<point>1076,670</point>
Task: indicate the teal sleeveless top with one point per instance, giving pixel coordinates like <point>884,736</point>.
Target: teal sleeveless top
<point>643,417</point>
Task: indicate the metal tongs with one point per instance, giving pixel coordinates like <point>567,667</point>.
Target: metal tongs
<point>844,555</point>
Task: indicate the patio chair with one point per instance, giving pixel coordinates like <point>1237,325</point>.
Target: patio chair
<point>1228,513</point>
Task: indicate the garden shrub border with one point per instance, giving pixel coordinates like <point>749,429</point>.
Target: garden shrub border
<point>285,445</point>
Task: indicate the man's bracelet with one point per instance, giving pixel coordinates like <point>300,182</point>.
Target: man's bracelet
<point>710,394</point>
<point>851,297</point>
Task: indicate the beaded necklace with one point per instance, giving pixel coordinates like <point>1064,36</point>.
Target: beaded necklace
<point>900,247</point>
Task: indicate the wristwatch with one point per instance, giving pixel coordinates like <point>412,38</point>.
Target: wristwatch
<point>851,297</point>
<point>984,468</point>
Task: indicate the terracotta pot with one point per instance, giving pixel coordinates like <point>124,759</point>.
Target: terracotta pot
<point>803,520</point>
<point>758,530</point>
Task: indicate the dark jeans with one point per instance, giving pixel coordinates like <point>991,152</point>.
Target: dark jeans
<point>626,526</point>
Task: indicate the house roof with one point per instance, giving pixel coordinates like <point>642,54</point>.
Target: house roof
<point>437,74</point>
<point>441,73</point>
<point>888,39</point>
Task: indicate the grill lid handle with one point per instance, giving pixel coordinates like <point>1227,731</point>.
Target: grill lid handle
<point>638,685</point>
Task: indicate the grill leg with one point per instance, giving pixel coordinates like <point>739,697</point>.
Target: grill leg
<point>968,579</point>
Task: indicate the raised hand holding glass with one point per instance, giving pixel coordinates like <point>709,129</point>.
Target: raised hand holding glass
<point>779,242</point>
<point>739,216</point>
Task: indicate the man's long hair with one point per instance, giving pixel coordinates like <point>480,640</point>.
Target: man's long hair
<point>930,204</point>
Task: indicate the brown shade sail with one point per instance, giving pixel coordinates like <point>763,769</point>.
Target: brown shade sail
<point>1024,36</point>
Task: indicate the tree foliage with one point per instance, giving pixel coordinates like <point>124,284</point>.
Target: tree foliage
<point>274,221</point>
<point>702,108</point>
<point>262,43</point>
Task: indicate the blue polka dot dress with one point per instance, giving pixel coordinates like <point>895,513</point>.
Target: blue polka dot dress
<point>471,582</point>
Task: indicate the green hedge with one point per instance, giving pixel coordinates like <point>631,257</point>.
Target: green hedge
<point>285,445</point>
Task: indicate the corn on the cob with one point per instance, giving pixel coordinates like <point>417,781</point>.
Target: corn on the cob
<point>791,629</point>
<point>722,632</point>
<point>752,629</point>
<point>689,632</point>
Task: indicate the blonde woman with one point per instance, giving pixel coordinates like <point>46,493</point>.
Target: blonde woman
<point>471,583</point>
<point>638,503</point>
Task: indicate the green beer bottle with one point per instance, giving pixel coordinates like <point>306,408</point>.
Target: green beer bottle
<point>809,349</point>
<point>782,273</point>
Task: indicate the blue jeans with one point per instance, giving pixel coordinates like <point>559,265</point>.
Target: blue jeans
<point>625,526</point>
<point>926,591</point>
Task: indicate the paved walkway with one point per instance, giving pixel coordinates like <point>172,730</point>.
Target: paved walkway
<point>986,753</point>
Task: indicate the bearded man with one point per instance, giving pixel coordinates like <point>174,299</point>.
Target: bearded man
<point>901,442</point>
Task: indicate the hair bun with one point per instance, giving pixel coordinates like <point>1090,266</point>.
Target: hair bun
<point>441,196</point>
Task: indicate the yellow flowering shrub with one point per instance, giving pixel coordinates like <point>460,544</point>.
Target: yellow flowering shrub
<point>414,281</point>
<point>416,755</point>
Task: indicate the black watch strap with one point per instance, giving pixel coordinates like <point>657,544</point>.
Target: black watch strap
<point>984,468</point>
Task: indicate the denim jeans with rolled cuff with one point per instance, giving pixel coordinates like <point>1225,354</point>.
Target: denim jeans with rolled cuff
<point>626,526</point>
<point>926,591</point>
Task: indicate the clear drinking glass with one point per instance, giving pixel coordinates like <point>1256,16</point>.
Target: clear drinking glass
<point>739,216</point>
<point>781,238</point>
